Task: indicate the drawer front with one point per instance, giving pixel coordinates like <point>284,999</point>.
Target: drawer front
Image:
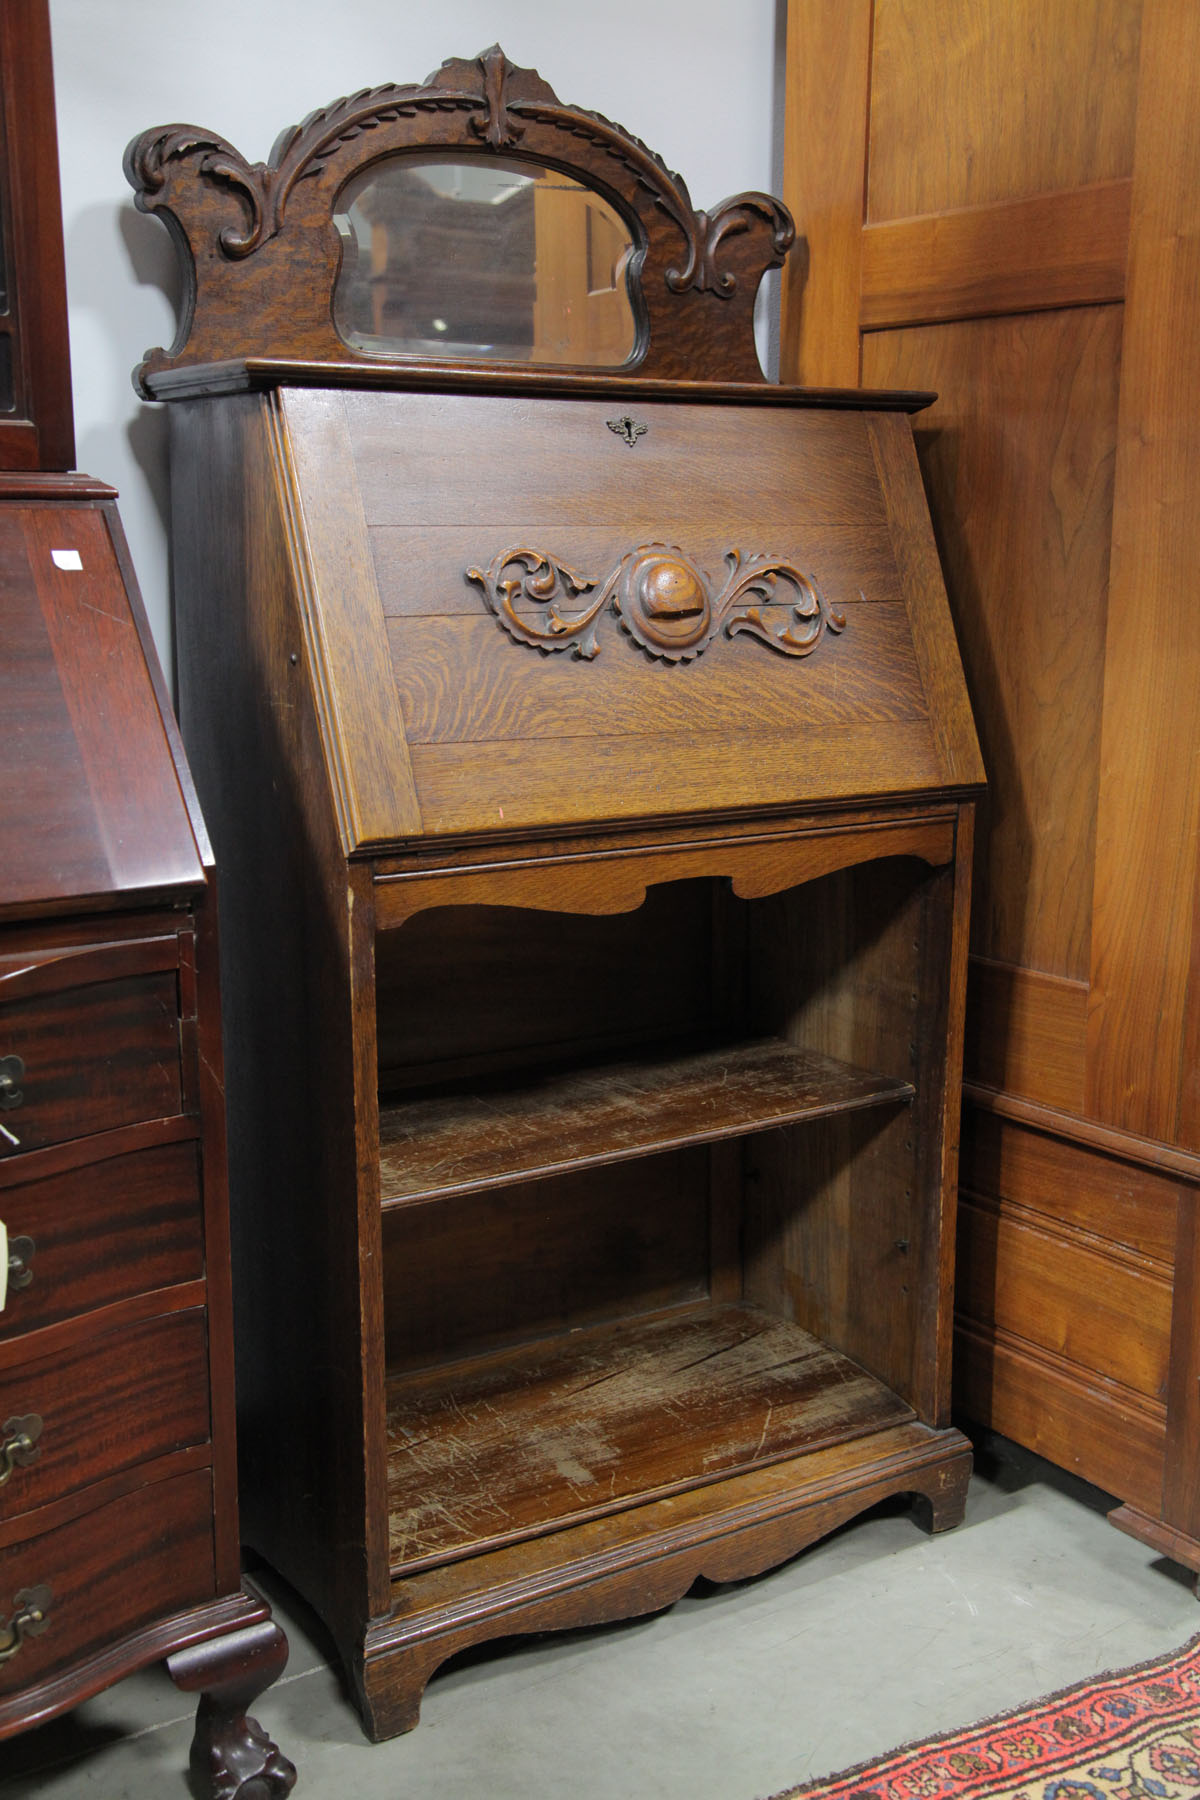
<point>139,1559</point>
<point>107,1405</point>
<point>102,1232</point>
<point>94,1058</point>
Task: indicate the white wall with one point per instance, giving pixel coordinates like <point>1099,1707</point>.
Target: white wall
<point>696,79</point>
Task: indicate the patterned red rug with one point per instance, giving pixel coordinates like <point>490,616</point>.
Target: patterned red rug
<point>1134,1735</point>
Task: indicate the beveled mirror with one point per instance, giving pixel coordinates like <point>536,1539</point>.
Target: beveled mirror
<point>468,257</point>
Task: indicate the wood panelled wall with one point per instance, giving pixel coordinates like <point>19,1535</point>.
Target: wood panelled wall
<point>1000,200</point>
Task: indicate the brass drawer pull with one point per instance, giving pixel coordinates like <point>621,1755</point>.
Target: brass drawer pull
<point>11,1071</point>
<point>29,1620</point>
<point>21,1251</point>
<point>19,1445</point>
<point>15,1256</point>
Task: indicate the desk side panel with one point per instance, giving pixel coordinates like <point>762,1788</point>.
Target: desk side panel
<point>297,1038</point>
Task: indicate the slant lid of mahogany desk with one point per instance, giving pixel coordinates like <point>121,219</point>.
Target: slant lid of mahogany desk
<point>91,808</point>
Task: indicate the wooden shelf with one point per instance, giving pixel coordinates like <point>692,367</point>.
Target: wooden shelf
<point>510,1446</point>
<point>432,1148</point>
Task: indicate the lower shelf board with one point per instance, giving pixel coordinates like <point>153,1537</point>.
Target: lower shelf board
<point>636,1561</point>
<point>529,1441</point>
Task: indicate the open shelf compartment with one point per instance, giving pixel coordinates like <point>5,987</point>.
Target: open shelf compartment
<point>515,1445</point>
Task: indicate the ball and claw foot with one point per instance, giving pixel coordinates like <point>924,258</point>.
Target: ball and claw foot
<point>232,1758</point>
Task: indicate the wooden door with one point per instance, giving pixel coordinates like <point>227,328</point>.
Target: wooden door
<point>1000,200</point>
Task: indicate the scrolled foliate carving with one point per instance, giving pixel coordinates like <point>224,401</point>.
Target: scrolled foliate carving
<point>546,585</point>
<point>262,251</point>
<point>711,229</point>
<point>663,599</point>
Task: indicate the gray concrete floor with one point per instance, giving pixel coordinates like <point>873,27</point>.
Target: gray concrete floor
<point>873,1638</point>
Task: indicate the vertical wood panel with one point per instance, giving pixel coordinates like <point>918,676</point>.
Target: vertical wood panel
<point>974,101</point>
<point>1149,801</point>
<point>1027,1033</point>
<point>1189,1092</point>
<point>1063,462</point>
<point>825,134</point>
<point>1018,462</point>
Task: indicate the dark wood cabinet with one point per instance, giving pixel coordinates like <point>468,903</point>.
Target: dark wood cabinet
<point>118,1517</point>
<point>118,1488</point>
<point>591,778</point>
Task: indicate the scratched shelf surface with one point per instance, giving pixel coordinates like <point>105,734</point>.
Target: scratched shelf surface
<point>586,1117</point>
<point>512,1446</point>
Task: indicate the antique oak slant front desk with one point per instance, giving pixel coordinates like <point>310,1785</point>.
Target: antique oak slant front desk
<point>582,732</point>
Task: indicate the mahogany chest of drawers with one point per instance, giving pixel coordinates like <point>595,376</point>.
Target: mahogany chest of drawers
<point>118,1499</point>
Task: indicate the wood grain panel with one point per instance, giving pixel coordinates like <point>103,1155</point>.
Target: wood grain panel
<point>478,787</point>
<point>491,1453</point>
<point>363,734</point>
<point>465,681</point>
<point>824,186</point>
<point>1027,1280</point>
<point>110,709</point>
<point>974,101</point>
<point>142,1557</point>
<point>106,1228</point>
<point>754,867</point>
<point>489,988</point>
<point>613,1114</point>
<point>1181,1482</point>
<point>1189,1092</point>
<point>422,572</point>
<point>96,1057</point>
<point>1016,256</point>
<point>1070,1184</point>
<point>846,1207</point>
<point>118,1399</point>
<point>1026,1033</point>
<point>40,433</point>
<point>549,1256</point>
<point>47,818</point>
<point>1094,1427</point>
<point>1018,460</point>
<point>1148,834</point>
<point>925,598</point>
<point>771,468</point>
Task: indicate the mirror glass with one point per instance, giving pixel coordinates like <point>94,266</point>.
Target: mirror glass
<point>482,258</point>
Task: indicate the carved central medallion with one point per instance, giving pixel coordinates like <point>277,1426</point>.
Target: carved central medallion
<point>663,599</point>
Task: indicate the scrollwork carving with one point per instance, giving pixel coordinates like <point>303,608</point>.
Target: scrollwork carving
<point>663,599</point>
<point>247,294</point>
<point>730,219</point>
<point>546,584</point>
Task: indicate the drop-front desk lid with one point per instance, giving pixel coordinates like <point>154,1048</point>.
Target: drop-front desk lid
<point>91,808</point>
<point>524,610</point>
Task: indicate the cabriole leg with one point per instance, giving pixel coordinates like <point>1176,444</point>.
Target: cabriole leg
<point>232,1758</point>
